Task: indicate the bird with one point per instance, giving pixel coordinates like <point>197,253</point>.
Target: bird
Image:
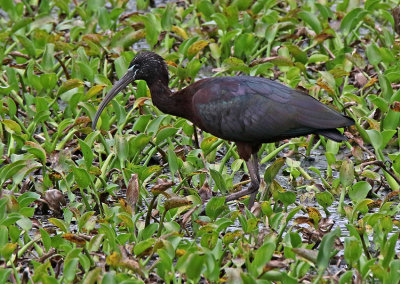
<point>246,110</point>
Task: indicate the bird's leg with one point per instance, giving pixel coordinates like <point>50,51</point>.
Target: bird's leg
<point>252,165</point>
<point>196,137</point>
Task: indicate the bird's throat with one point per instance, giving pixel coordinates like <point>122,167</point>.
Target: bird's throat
<point>168,102</point>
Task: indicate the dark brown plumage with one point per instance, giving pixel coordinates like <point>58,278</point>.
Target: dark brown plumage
<point>247,110</point>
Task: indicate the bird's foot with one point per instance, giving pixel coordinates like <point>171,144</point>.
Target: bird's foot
<point>252,190</point>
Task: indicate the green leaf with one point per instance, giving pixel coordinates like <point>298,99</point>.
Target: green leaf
<point>359,191</point>
<point>352,250</point>
<point>60,224</point>
<point>326,248</point>
<point>325,199</point>
<point>82,177</point>
<point>27,44</point>
<point>36,150</point>
<point>143,246</point>
<point>373,54</point>
<point>87,153</point>
<point>215,206</point>
<point>70,269</point>
<point>172,161</point>
<point>389,251</point>
<point>347,173</point>
<point>311,20</point>
<point>272,170</point>
<point>287,197</point>
<point>351,20</point>
<point>376,138</point>
<point>219,180</point>
<point>11,126</point>
<point>165,133</point>
<point>261,257</point>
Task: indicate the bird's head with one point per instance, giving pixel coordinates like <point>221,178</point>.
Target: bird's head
<point>147,66</point>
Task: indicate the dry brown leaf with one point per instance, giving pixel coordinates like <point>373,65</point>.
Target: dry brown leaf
<point>74,239</point>
<point>132,192</point>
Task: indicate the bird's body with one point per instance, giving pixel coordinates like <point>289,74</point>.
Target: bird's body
<point>244,109</point>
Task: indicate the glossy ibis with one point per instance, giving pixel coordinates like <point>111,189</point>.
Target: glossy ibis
<point>247,110</point>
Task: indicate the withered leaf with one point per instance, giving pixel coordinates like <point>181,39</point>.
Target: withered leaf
<point>74,239</point>
<point>175,202</point>
<point>162,185</point>
<point>205,192</point>
<point>314,214</point>
<point>55,199</point>
<point>82,120</point>
<point>395,106</point>
<point>308,254</point>
<point>132,192</point>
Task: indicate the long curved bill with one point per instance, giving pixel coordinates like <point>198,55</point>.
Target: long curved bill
<point>128,78</point>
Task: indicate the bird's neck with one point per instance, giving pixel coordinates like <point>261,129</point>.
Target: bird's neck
<point>168,102</point>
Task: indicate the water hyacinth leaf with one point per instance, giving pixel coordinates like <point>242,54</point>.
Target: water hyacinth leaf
<point>165,133</point>
<point>142,246</point>
<point>84,219</point>
<point>27,198</point>
<point>311,20</point>
<point>219,180</point>
<point>376,138</point>
<point>206,8</point>
<point>104,18</point>
<point>87,153</point>
<point>373,54</point>
<point>352,250</point>
<point>272,170</point>
<point>261,257</point>
<point>153,28</point>
<point>69,85</point>
<point>172,161</point>
<point>326,249</point>
<point>389,250</point>
<point>195,265</point>
<point>7,250</point>
<point>60,224</point>
<point>287,197</point>
<point>82,177</point>
<point>325,198</point>
<point>70,269</point>
<point>215,206</point>
<point>27,44</point>
<point>362,206</point>
<point>351,20</point>
<point>209,240</point>
<point>347,173</point>
<point>11,126</point>
<point>242,45</point>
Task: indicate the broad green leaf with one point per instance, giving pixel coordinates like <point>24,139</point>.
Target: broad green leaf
<point>219,180</point>
<point>352,249</point>
<point>311,20</point>
<point>215,206</point>
<point>82,177</point>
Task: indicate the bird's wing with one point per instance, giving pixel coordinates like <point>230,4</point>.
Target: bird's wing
<point>252,109</point>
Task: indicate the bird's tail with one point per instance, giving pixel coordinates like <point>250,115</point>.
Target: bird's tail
<point>332,134</point>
